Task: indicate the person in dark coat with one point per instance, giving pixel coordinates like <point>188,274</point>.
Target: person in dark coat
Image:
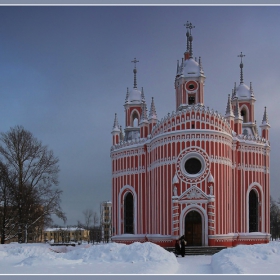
<point>177,248</point>
<point>183,244</point>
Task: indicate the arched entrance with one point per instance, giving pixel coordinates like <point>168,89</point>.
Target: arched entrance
<point>253,211</point>
<point>193,228</point>
<point>128,213</point>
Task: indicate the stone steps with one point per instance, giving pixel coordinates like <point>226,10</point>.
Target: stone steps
<point>199,250</point>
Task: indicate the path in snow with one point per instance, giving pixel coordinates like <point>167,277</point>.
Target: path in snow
<point>194,265</point>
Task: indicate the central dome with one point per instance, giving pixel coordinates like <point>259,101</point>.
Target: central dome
<point>134,95</point>
<point>243,91</point>
<point>191,68</point>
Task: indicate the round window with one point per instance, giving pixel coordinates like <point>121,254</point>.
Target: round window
<point>193,166</point>
<point>191,86</point>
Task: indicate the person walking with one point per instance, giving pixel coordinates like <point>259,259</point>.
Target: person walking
<point>177,248</point>
<point>183,245</point>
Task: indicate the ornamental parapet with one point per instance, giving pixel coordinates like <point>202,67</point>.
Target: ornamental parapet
<point>191,113</point>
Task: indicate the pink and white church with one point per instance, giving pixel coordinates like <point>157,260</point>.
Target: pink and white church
<point>195,172</point>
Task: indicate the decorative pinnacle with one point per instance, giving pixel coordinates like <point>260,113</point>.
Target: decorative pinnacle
<point>121,134</point>
<point>144,113</point>
<point>237,111</point>
<point>127,95</point>
<point>135,71</point>
<point>153,113</point>
<point>116,126</point>
<point>265,117</point>
<point>189,27</point>
<point>241,67</point>
<point>251,90</point>
<point>200,65</point>
<point>229,111</point>
<point>142,95</point>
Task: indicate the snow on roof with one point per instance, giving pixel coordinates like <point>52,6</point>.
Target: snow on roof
<point>64,228</point>
<point>243,91</point>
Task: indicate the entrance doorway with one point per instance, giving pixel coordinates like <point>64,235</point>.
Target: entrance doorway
<point>193,229</point>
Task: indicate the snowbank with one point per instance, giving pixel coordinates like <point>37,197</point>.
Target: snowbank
<point>136,258</point>
<point>248,259</point>
<point>111,258</point>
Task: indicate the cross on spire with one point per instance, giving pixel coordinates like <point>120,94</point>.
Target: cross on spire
<point>189,27</point>
<point>241,67</point>
<point>135,71</point>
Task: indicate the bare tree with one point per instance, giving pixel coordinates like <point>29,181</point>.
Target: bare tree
<point>274,219</point>
<point>7,211</point>
<point>88,215</point>
<point>35,170</point>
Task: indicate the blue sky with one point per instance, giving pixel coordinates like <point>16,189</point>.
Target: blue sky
<point>64,73</point>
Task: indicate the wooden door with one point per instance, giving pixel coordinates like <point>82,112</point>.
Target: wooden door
<point>193,229</point>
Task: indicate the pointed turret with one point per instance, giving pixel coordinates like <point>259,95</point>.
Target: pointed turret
<point>246,101</point>
<point>265,126</point>
<point>116,131</point>
<point>133,108</point>
<point>189,81</point>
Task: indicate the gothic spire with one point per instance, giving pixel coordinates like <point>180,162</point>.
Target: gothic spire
<point>189,27</point>
<point>241,68</point>
<point>153,113</point>
<point>187,35</point>
<point>229,112</point>
<point>135,71</point>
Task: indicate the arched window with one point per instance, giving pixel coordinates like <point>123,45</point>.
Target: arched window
<point>244,114</point>
<point>135,119</point>
<point>128,213</point>
<point>253,211</point>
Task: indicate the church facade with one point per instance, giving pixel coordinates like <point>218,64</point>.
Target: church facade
<point>195,172</point>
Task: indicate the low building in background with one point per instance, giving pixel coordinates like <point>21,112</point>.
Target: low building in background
<point>66,234</point>
<point>106,220</point>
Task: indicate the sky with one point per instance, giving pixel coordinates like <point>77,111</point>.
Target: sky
<point>137,259</point>
<point>64,71</point>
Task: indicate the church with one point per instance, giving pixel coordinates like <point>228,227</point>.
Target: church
<point>195,172</point>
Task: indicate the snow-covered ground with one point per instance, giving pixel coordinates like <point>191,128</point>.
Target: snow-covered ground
<point>137,258</point>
